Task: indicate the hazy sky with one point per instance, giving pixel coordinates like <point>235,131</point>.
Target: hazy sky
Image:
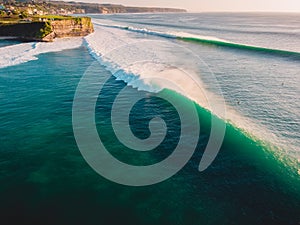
<point>214,5</point>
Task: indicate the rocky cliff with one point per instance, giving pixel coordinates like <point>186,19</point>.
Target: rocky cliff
<point>48,30</point>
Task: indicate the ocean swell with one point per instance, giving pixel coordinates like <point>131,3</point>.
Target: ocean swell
<point>188,37</point>
<point>140,61</point>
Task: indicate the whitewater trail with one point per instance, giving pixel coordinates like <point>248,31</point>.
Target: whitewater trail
<point>21,53</point>
<point>147,64</point>
<point>139,60</point>
<point>189,37</point>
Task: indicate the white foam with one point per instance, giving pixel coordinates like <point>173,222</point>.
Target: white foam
<point>152,65</point>
<point>21,53</point>
<point>167,34</point>
<point>141,62</point>
<point>180,35</point>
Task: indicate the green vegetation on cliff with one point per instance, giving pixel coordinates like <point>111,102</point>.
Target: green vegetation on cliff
<point>43,32</point>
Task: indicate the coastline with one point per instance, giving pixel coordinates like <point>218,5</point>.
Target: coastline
<point>48,29</point>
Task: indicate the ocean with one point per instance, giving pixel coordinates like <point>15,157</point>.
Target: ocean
<point>210,98</point>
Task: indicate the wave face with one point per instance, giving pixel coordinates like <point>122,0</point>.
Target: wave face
<point>24,52</point>
<point>268,31</point>
<point>189,37</point>
<point>133,58</point>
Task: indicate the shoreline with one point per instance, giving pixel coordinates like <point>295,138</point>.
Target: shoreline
<point>46,28</point>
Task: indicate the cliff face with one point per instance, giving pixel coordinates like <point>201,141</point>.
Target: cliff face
<point>70,28</point>
<point>47,31</point>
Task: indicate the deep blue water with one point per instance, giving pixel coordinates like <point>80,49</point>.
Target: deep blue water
<point>253,180</point>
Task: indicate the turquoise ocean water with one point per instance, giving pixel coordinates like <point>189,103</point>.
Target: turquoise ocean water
<point>253,58</point>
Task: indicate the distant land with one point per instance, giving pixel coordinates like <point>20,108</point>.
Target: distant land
<point>65,8</point>
<point>47,20</point>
